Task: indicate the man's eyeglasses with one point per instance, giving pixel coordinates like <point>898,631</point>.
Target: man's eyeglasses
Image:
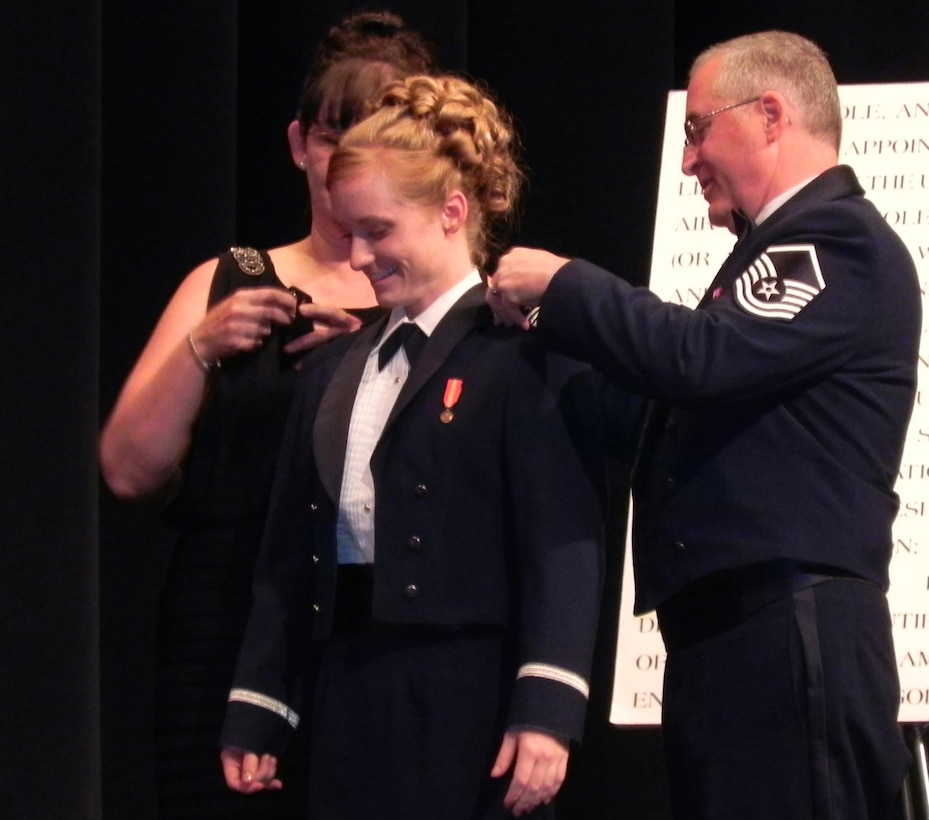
<point>694,135</point>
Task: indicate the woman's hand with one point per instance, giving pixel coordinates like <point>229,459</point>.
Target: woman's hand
<point>248,773</point>
<point>242,321</point>
<point>539,763</point>
<point>328,323</point>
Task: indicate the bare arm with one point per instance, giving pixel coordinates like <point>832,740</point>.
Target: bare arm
<point>150,427</point>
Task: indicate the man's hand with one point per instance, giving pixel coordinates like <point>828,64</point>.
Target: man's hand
<point>541,764</point>
<point>522,276</point>
<point>245,772</point>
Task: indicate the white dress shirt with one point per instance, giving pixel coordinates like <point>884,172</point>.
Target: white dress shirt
<point>779,200</point>
<point>377,393</point>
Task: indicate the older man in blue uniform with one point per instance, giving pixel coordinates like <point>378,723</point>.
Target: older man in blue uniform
<point>764,483</point>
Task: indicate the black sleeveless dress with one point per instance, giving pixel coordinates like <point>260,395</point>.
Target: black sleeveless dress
<point>219,513</point>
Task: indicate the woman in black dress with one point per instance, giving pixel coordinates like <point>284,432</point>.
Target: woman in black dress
<point>207,401</point>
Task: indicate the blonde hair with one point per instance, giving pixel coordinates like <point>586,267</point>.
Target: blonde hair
<point>434,135</point>
<point>785,62</point>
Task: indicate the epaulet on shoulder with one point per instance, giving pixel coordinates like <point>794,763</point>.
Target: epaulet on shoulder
<point>249,260</point>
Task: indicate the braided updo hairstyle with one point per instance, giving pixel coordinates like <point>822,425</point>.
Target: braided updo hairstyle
<point>435,135</point>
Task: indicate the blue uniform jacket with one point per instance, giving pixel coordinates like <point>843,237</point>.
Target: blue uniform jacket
<point>494,518</point>
<point>780,404</point>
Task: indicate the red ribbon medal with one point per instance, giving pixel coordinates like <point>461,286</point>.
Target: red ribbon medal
<point>452,394</point>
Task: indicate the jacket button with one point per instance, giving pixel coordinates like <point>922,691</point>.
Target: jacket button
<point>315,559</point>
<point>315,607</point>
<point>313,506</point>
<point>416,543</point>
<point>679,547</point>
<point>410,592</point>
<point>421,490</point>
<point>670,483</point>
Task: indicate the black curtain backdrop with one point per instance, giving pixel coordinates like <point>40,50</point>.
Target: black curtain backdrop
<point>49,319</point>
<point>144,136</point>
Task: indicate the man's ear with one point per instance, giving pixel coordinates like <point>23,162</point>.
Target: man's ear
<point>774,106</point>
<point>455,212</point>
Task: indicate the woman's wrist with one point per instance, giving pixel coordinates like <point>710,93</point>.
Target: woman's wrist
<point>205,365</point>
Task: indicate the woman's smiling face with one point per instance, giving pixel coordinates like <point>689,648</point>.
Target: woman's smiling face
<point>402,246</point>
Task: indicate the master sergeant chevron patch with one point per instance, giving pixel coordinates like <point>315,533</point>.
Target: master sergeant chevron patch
<point>780,282</point>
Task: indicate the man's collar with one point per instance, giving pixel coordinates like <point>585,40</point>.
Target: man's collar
<point>742,224</point>
<point>779,200</point>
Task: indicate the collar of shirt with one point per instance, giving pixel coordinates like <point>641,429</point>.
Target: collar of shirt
<point>779,200</point>
<point>429,319</point>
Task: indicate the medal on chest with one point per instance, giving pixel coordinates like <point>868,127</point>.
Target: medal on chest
<point>450,399</point>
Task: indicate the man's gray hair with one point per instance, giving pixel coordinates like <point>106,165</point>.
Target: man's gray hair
<point>785,62</point>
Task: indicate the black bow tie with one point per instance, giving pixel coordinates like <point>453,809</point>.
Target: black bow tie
<point>407,334</point>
